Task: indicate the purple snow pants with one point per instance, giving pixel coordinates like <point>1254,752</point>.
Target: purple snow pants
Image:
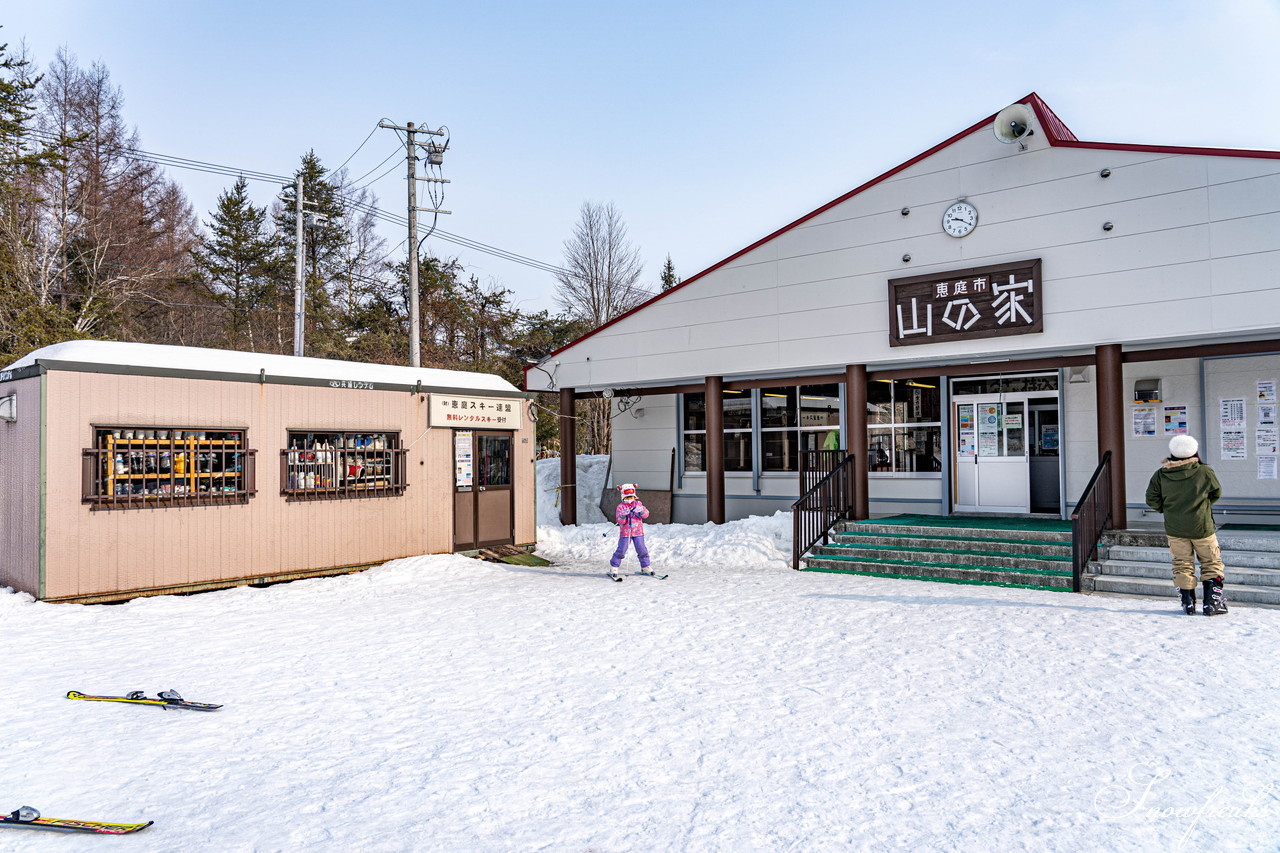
<point>641,551</point>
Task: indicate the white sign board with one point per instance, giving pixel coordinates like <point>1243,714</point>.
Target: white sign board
<point>448,410</point>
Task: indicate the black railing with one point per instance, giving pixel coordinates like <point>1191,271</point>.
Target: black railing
<point>826,502</point>
<point>1092,515</point>
<point>816,464</point>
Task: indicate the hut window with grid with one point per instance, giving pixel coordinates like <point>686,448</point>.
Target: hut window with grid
<point>329,465</point>
<point>132,467</point>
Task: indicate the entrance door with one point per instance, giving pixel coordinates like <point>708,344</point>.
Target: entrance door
<point>992,464</point>
<point>483,501</point>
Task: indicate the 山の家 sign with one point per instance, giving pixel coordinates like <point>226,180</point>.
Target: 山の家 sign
<point>448,410</point>
<point>960,305</point>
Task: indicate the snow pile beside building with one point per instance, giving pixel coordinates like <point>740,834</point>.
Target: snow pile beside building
<point>591,474</point>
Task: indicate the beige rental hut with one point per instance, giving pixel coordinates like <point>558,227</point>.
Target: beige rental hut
<point>137,469</point>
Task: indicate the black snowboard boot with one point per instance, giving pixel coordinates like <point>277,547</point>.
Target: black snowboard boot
<point>1188,601</point>
<point>1214,602</point>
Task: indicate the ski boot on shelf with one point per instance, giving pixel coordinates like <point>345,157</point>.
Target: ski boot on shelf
<point>1214,602</point>
<point>1188,601</point>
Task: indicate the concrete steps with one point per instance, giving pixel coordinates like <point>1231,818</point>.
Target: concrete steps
<point>1138,563</point>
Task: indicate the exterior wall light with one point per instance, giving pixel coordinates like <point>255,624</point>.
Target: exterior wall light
<point>906,259</point>
<point>1107,226</point>
<point>906,211</point>
<point>1105,173</point>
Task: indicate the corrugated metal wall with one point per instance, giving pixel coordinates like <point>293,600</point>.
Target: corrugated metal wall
<point>20,489</point>
<point>97,552</point>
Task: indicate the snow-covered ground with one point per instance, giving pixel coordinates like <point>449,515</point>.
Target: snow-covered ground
<point>447,704</point>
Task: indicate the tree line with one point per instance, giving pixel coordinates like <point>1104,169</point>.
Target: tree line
<point>96,241</point>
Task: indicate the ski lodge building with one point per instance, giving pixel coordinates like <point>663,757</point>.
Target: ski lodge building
<point>976,327</point>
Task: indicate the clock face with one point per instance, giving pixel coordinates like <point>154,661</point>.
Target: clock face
<point>960,219</point>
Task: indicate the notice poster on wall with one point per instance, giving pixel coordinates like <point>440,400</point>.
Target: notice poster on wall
<point>1231,412</point>
<point>1175,420</point>
<point>1265,440</point>
<point>1144,421</point>
<point>1267,467</point>
<point>1267,416</point>
<point>1048,436</point>
<point>1266,391</point>
<point>462,460</point>
<point>1233,444</point>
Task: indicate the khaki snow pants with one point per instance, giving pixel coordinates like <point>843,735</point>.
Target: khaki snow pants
<point>1186,551</point>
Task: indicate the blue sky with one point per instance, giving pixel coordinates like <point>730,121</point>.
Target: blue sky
<point>708,124</point>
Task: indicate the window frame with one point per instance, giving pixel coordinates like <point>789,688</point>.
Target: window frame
<point>897,429</point>
<point>331,465</point>
<point>101,477</point>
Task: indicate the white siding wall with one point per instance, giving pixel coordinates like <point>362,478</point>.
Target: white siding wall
<point>1195,251</point>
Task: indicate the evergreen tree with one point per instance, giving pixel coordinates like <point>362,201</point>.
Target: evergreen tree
<point>669,278</point>
<point>241,264</point>
<point>325,272</point>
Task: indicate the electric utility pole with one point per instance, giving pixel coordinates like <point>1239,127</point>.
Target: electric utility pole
<point>435,157</point>
<point>299,262</point>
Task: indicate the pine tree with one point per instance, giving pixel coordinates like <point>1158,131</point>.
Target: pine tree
<point>669,278</point>
<point>241,264</point>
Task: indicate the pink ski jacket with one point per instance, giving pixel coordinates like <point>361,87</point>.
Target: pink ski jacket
<point>628,516</point>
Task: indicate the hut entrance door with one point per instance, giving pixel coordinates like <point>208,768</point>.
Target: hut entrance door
<point>483,500</point>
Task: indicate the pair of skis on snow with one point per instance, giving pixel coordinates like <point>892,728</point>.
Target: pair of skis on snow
<point>30,818</point>
<point>165,699</point>
<point>617,577</point>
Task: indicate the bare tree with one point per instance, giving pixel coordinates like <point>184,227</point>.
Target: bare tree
<point>601,268</point>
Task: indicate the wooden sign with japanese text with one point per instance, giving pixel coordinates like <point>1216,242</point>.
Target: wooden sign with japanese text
<point>961,305</point>
<point>448,410</point>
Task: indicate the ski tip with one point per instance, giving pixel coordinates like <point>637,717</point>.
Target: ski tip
<point>72,694</point>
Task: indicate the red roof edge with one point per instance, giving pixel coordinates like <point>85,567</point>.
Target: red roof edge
<point>1053,128</point>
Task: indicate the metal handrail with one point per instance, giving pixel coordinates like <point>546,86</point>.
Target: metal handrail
<point>1093,513</point>
<point>828,501</point>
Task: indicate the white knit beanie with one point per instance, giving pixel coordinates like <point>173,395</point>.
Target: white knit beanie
<point>1183,447</point>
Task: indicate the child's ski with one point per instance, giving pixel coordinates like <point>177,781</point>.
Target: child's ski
<point>653,575</point>
<point>30,818</point>
<point>166,699</point>
<point>614,576</point>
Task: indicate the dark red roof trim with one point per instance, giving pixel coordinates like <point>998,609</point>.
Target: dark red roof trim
<point>1058,134</point>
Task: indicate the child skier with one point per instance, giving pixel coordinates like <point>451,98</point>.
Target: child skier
<point>630,516</point>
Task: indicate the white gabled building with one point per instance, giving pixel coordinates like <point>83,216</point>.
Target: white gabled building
<point>977,326</point>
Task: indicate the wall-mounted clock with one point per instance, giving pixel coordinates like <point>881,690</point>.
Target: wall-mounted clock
<point>960,219</point>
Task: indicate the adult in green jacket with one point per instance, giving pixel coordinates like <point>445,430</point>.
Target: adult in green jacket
<point>1184,489</point>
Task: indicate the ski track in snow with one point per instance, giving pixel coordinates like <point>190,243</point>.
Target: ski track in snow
<point>447,704</point>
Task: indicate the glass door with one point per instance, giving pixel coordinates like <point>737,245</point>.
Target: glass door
<point>991,454</point>
<point>484,500</point>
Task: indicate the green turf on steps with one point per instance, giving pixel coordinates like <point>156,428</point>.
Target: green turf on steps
<point>996,540</point>
<point>902,576</point>
<point>875,546</point>
<point>1271,528</point>
<point>885,561</point>
<point>983,522</point>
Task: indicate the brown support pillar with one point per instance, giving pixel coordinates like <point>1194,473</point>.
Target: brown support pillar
<point>1110,370</point>
<point>715,449</point>
<point>568,459</point>
<point>855,430</point>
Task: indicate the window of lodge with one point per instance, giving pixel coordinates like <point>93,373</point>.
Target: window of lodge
<point>332,465</point>
<point>904,426</point>
<point>140,467</point>
<point>788,418</point>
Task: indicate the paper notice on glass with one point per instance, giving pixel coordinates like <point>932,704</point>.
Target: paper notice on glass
<point>1267,467</point>
<point>1265,440</point>
<point>1233,444</point>
<point>1144,421</point>
<point>1232,412</point>
<point>464,474</point>
<point>1175,420</point>
<point>1267,416</point>
<point>1266,391</point>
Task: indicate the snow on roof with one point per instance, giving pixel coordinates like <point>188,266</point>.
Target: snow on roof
<point>251,363</point>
